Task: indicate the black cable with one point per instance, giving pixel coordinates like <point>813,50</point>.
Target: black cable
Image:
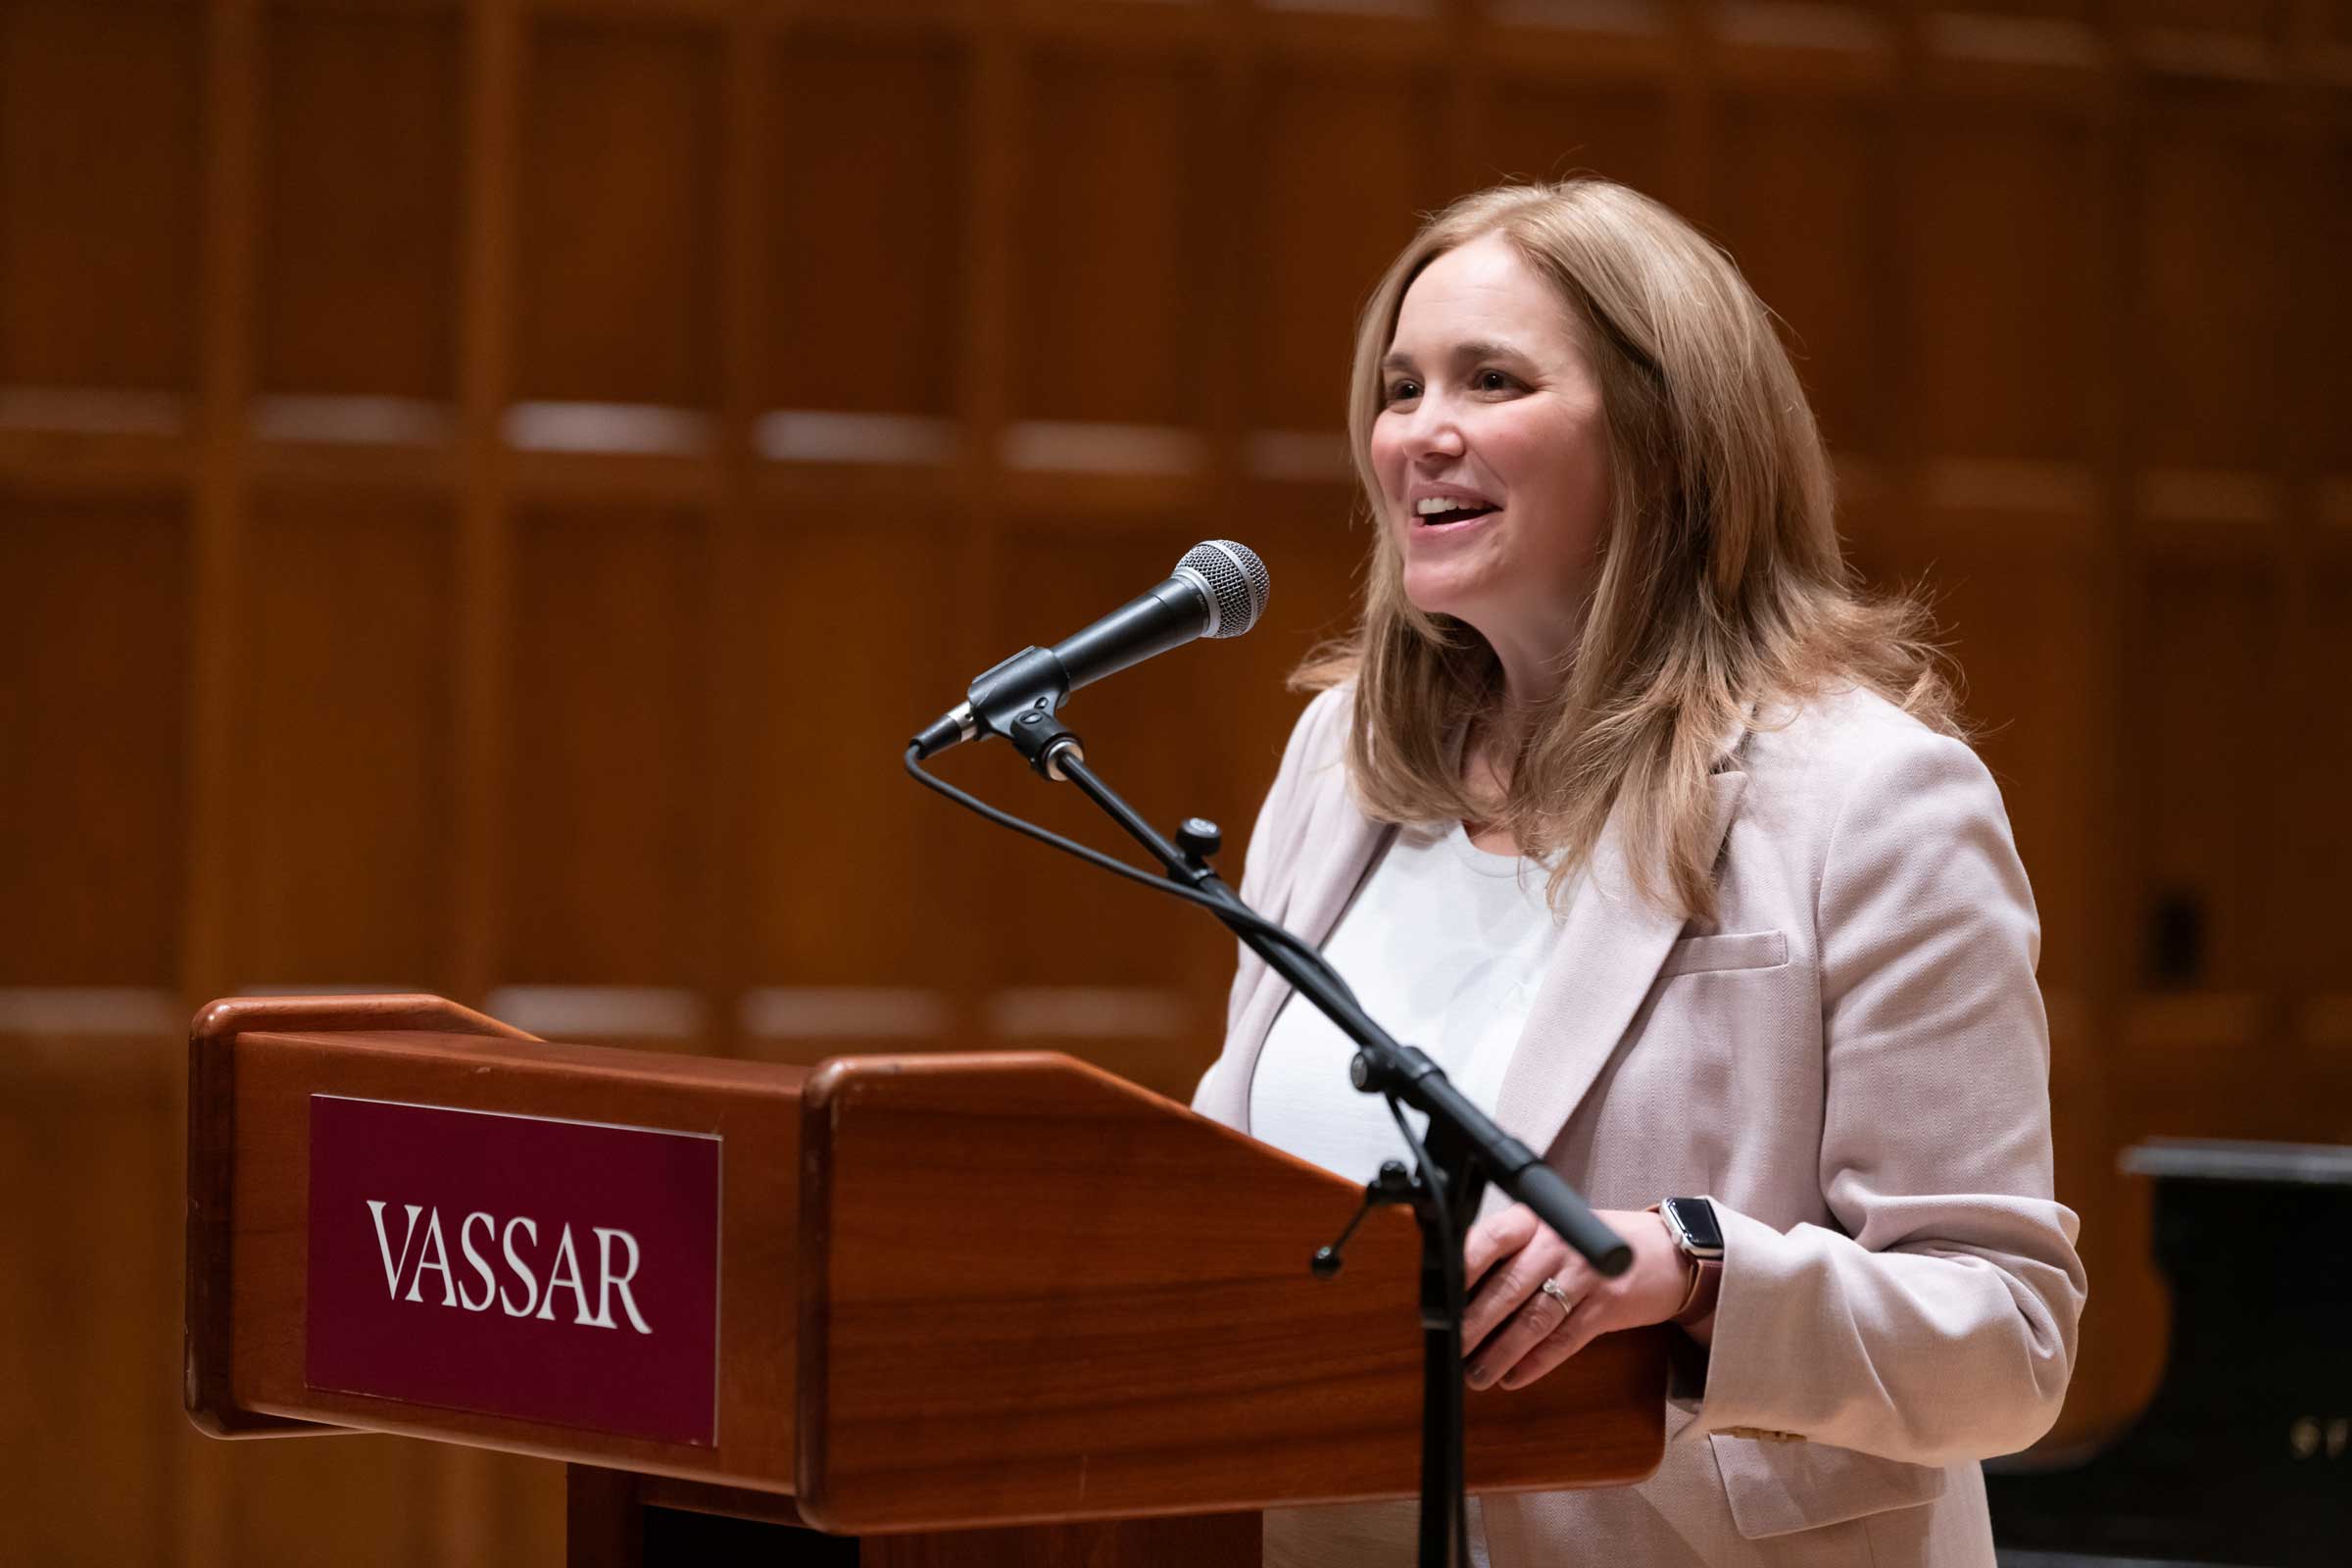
<point>1230,914</point>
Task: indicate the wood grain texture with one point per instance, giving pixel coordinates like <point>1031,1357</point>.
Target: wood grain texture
<point>253,1066</point>
<point>211,1307</point>
<point>362,190</point>
<point>86,1305</point>
<point>622,117</point>
<point>351,630</point>
<point>866,143</point>
<point>825,825</point>
<point>2024,391</point>
<point>1029,1292</point>
<point>101,151</point>
<point>1035,1291</point>
<point>613,614</point>
<point>90,735</point>
<point>1807,246</point>
<point>753,1109</point>
<point>1109,330</point>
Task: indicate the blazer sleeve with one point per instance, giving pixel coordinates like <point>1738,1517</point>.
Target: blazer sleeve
<point>1936,1321</point>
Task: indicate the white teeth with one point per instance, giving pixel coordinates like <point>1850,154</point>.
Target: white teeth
<point>1429,506</point>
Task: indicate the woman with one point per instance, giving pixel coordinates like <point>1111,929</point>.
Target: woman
<point>1626,806</point>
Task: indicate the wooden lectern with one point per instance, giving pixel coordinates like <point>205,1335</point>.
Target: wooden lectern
<point>968,1308</point>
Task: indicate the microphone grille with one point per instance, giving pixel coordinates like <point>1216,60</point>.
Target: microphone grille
<point>1237,580</point>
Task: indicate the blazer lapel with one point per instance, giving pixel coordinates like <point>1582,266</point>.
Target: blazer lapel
<point>1602,962</point>
<point>1607,953</point>
<point>1335,875</point>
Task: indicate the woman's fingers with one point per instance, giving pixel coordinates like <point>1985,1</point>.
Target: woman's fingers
<point>1582,1326</point>
<point>1514,1331</point>
<point>1522,1335</point>
<point>1506,1259</point>
<point>1497,1238</point>
<point>1508,1284</point>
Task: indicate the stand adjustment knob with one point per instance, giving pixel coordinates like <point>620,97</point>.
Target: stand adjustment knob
<point>1199,837</point>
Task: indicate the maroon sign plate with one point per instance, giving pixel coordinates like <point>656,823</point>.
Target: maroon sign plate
<point>555,1271</point>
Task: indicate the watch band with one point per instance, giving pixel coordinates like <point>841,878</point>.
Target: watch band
<point>1706,1284</point>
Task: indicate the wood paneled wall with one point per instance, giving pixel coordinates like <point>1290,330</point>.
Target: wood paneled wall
<point>488,486</point>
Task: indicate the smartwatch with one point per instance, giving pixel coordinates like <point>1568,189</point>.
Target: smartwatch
<point>1692,1220</point>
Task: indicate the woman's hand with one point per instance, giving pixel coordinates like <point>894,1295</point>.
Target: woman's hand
<point>1514,1331</point>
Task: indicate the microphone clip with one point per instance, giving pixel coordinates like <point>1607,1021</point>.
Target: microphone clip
<point>1043,741</point>
<point>1030,680</point>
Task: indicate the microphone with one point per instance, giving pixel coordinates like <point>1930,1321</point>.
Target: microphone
<point>1218,589</point>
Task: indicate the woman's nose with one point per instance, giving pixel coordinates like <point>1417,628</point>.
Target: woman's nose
<point>1435,431</point>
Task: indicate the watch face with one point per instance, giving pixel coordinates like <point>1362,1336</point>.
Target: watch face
<point>1695,1217</point>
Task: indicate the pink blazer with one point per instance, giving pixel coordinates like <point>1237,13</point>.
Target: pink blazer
<point>1852,1063</point>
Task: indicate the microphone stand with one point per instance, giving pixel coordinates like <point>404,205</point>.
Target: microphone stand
<point>1460,1153</point>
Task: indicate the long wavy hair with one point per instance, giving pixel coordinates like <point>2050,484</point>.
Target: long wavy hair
<point>1721,592</point>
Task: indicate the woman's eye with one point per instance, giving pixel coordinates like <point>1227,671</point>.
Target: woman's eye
<point>1403,391</point>
<point>1494,381</point>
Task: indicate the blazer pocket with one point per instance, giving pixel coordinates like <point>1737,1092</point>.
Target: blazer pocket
<point>1778,1487</point>
<point>1738,949</point>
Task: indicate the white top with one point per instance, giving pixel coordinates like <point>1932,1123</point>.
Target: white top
<point>1444,946</point>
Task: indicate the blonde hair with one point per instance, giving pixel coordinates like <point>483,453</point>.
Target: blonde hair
<point>1720,586</point>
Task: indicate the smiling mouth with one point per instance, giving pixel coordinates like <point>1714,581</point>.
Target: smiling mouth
<point>1451,516</point>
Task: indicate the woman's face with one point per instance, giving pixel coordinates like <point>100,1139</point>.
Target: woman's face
<point>1492,453</point>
